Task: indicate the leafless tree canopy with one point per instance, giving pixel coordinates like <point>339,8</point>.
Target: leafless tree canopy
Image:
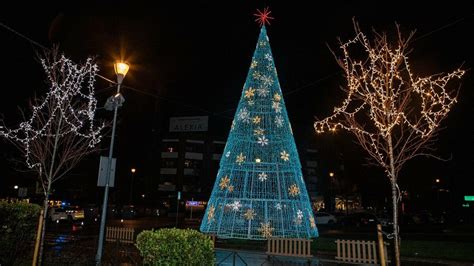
<point>385,100</point>
<point>61,122</point>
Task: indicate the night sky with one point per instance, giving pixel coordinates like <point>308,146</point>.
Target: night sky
<point>192,59</point>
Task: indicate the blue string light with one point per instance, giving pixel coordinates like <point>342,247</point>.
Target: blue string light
<point>259,190</point>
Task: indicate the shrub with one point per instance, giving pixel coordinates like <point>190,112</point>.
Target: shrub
<point>175,247</point>
<point>18,222</point>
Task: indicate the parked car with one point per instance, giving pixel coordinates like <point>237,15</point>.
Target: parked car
<point>325,218</point>
<point>74,213</point>
<point>58,214</point>
<point>359,219</point>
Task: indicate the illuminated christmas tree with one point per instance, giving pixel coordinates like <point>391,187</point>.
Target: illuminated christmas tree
<point>259,190</point>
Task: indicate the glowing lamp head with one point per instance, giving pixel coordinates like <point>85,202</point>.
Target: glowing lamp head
<point>121,69</point>
<point>133,170</point>
<point>15,187</point>
<point>331,174</point>
<point>437,180</point>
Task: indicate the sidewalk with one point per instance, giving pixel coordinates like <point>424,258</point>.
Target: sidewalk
<point>406,260</point>
<point>237,257</point>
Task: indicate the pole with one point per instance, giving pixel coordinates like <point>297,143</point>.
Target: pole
<point>38,237</point>
<point>383,261</point>
<point>177,207</point>
<point>131,190</point>
<point>192,199</point>
<point>100,244</point>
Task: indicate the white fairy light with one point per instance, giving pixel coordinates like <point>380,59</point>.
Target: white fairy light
<point>64,98</point>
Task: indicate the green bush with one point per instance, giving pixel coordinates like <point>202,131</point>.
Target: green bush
<point>175,247</point>
<point>18,222</point>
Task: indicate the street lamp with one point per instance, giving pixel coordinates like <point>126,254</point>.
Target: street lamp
<point>331,174</point>
<point>113,103</point>
<point>437,180</point>
<point>15,187</point>
<point>133,170</point>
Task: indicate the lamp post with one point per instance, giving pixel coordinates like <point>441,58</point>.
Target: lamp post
<point>133,170</point>
<point>113,103</point>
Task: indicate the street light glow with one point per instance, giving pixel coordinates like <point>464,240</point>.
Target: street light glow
<point>437,180</point>
<point>331,174</point>
<point>15,187</point>
<point>121,68</point>
<point>133,170</point>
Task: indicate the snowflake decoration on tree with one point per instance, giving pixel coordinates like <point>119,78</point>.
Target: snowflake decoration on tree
<point>266,230</point>
<point>262,140</point>
<point>249,214</point>
<point>256,119</point>
<point>227,154</point>
<point>244,115</point>
<point>299,217</point>
<point>278,206</point>
<point>285,156</point>
<point>262,176</point>
<point>240,158</point>
<point>279,121</point>
<point>294,190</point>
<point>268,57</point>
<point>276,106</point>
<point>249,93</point>
<point>230,188</point>
<point>210,214</point>
<point>276,97</point>
<point>225,181</point>
<point>263,92</point>
<point>258,131</point>
<point>235,205</point>
<point>267,80</point>
<point>312,222</point>
<point>256,75</point>
<point>253,64</point>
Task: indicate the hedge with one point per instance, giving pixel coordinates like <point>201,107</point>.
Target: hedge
<point>170,246</point>
<point>18,222</point>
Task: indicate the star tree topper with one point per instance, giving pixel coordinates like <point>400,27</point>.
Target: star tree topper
<point>263,17</point>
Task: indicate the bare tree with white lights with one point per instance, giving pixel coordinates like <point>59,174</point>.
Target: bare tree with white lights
<point>60,130</point>
<point>394,114</point>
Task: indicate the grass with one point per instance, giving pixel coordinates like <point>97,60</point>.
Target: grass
<point>462,251</point>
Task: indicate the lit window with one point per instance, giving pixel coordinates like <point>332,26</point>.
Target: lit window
<point>187,163</point>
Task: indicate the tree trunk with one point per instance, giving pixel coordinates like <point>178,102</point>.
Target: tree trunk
<point>45,217</point>
<point>393,182</point>
<point>48,190</point>
<point>396,238</point>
